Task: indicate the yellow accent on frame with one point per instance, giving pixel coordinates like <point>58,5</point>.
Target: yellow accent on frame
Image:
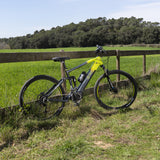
<point>97,62</point>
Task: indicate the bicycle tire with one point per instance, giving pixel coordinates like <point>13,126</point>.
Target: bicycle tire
<point>30,98</point>
<point>123,94</point>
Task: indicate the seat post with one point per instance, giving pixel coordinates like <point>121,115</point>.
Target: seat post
<point>63,75</point>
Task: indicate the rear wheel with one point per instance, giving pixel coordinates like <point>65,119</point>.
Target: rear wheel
<point>113,94</point>
<point>34,100</point>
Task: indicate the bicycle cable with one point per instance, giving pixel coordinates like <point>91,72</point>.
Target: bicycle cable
<point>106,61</point>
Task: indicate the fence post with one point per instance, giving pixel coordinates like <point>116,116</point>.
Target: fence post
<point>63,75</point>
<point>144,64</point>
<point>118,64</point>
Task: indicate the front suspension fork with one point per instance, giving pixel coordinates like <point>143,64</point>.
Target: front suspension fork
<point>112,88</point>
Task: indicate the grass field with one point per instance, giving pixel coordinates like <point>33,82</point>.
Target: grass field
<point>89,132</point>
<point>85,132</point>
<point>14,75</point>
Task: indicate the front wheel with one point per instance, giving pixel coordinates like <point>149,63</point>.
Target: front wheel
<point>35,100</point>
<point>111,93</point>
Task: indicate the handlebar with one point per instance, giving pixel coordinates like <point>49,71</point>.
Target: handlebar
<point>100,50</point>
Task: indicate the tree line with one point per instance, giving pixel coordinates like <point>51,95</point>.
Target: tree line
<point>89,33</point>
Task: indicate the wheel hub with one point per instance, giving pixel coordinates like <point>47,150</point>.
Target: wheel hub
<point>42,99</point>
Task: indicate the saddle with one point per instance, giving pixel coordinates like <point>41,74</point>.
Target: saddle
<point>60,59</point>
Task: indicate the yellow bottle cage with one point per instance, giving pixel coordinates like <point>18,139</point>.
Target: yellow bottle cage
<point>97,62</point>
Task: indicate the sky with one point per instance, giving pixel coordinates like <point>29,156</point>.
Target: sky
<point>22,17</point>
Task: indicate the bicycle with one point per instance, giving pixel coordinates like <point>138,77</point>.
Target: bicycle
<point>44,97</point>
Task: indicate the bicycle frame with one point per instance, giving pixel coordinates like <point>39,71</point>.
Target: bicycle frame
<point>97,62</point>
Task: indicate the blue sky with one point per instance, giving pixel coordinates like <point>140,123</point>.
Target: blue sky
<point>21,17</point>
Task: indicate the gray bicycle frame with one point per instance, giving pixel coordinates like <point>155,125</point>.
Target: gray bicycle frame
<point>82,85</point>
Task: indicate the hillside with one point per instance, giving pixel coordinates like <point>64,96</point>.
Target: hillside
<point>89,132</point>
<point>89,33</point>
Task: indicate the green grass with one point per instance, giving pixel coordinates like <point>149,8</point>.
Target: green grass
<point>89,131</point>
<point>85,132</point>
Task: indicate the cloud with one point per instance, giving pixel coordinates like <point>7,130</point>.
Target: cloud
<point>148,11</point>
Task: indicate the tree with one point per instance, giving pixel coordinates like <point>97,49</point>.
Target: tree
<point>91,32</point>
<point>151,35</point>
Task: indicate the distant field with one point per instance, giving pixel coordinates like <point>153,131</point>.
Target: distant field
<point>76,49</point>
<point>14,75</point>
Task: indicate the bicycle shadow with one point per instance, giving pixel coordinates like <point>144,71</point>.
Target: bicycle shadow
<point>25,126</point>
<point>16,126</point>
<point>87,110</point>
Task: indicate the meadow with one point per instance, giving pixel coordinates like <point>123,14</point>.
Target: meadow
<point>88,131</point>
<point>14,75</point>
